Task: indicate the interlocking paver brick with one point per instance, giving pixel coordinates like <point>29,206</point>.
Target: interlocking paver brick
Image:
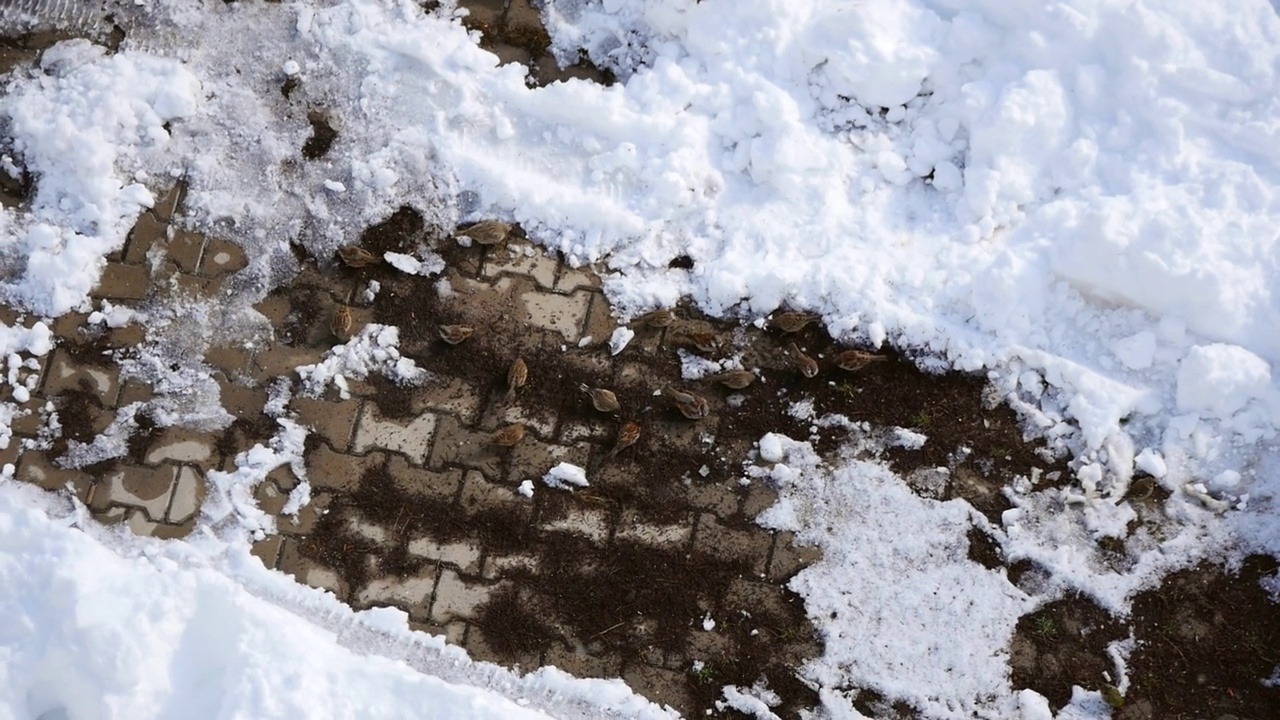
<point>123,282</point>
<point>435,484</point>
<point>270,498</point>
<point>522,259</point>
<point>147,488</point>
<point>759,497</point>
<point>662,686</point>
<point>268,550</point>
<point>718,498</point>
<point>231,359</point>
<point>221,258</point>
<point>182,445</point>
<point>456,598</point>
<point>532,458</point>
<point>462,555</point>
<point>577,431</point>
<point>309,572</point>
<point>167,205</point>
<point>581,664</point>
<point>414,591</point>
<point>788,558</point>
<point>132,391</point>
<point>449,395</point>
<point>412,438</point>
<point>184,250</point>
<point>338,471</point>
<point>479,649</point>
<point>593,523</point>
<point>188,493</point>
<point>32,420</point>
<point>305,521</point>
<point>631,528</point>
<point>479,494</point>
<point>148,232</point>
<point>572,278</point>
<point>749,546</point>
<point>499,566</point>
<point>333,421</point>
<point>165,531</point>
<point>564,314</point>
<point>455,444</point>
<point>65,374</point>
<point>35,467</point>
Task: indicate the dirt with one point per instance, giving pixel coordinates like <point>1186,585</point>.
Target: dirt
<point>1064,644</point>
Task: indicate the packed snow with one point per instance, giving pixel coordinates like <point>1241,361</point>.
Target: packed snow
<point>1076,198</point>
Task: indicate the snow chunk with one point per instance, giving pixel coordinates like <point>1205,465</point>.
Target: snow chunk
<point>1150,462</point>
<point>1136,351</point>
<point>619,340</point>
<point>771,448</point>
<point>1218,380</point>
<point>526,488</point>
<point>565,475</point>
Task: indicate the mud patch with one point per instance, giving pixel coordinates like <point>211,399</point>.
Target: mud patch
<point>323,135</point>
<point>1063,644</point>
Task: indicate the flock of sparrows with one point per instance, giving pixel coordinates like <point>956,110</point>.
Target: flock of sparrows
<point>689,404</point>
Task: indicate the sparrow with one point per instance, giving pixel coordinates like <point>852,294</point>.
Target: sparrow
<point>733,379</point>
<point>628,434</point>
<point>656,319</point>
<point>355,256</point>
<point>517,375</point>
<point>340,323</point>
<point>854,360</point>
<point>691,406</point>
<point>487,232</point>
<point>807,366</point>
<point>508,436</point>
<point>1140,489</point>
<point>792,322</point>
<point>603,400</point>
<point>454,334</point>
<point>703,342</point>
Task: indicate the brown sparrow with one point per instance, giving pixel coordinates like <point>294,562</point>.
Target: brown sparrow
<point>628,434</point>
<point>792,322</point>
<point>508,436</point>
<point>733,379</point>
<point>807,366</point>
<point>487,232</point>
<point>357,257</point>
<point>854,360</point>
<point>1140,489</point>
<point>691,406</point>
<point>656,319</point>
<point>340,323</point>
<point>517,376</point>
<point>603,400</point>
<point>703,342</point>
<point>454,334</point>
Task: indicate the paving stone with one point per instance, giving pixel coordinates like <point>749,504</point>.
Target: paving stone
<point>520,13</point>
<point>788,559</point>
<point>599,323</point>
<point>478,494</point>
<point>188,493</point>
<point>508,54</point>
<point>532,458</point>
<point>572,278</point>
<point>710,647</point>
<point>456,598</point>
<point>591,523</point>
<point>336,471</point>
<point>597,431</point>
<point>270,499</point>
<point>463,556</point>
<point>580,664</point>
<point>399,592</point>
<point>499,566</point>
<point>147,233</point>
<point>141,525</point>
<point>309,572</point>
<point>123,282</point>
<point>166,531</point>
<point>682,436</point>
<point>454,633</point>
<point>268,550</point>
<point>147,488</point>
<point>747,546</point>
<point>483,13</point>
<point>233,360</point>
<point>765,602</point>
<point>182,445</point>
<point>31,423</point>
<point>132,391</point>
<point>565,314</point>
<point>449,395</point>
<point>36,468</point>
<point>305,521</point>
<point>759,497</point>
<point>281,360</point>
<point>631,528</point>
<point>665,687</point>
<point>184,250</point>
<point>435,484</point>
<point>222,258</point>
<point>333,421</point>
<point>283,478</point>
<point>412,438</point>
<point>455,444</point>
<point>718,498</point>
<point>522,259</point>
<point>65,374</point>
<point>479,649</point>
<point>167,205</point>
<point>241,400</point>
<point>9,455</point>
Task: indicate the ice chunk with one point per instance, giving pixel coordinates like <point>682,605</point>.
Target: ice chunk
<point>1218,380</point>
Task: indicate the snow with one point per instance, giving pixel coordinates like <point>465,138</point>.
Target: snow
<point>565,476</point>
<point>619,340</point>
<point>1077,199</point>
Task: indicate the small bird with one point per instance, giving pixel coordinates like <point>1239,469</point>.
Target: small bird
<point>855,360</point>
<point>517,376</point>
<point>355,256</point>
<point>807,366</point>
<point>691,406</point>
<point>454,334</point>
<point>733,379</point>
<point>793,322</point>
<point>1140,489</point>
<point>508,436</point>
<point>487,232</point>
<point>340,323</point>
<point>628,434</point>
<point>703,342</point>
<point>603,400</point>
<point>656,319</point>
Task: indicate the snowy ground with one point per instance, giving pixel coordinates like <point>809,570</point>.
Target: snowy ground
<point>1077,198</point>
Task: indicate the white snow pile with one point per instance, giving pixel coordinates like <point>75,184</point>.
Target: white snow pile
<point>565,476</point>
<point>376,348</point>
